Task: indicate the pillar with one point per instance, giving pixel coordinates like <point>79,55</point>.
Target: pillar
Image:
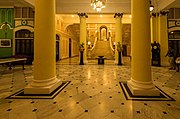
<point>154,27</point>
<point>83,33</point>
<point>45,80</point>
<point>141,82</point>
<point>118,33</point>
<point>163,37</point>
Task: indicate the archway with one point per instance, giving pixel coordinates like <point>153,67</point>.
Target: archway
<point>24,44</point>
<point>103,33</point>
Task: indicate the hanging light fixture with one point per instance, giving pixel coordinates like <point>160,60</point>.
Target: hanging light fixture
<point>151,7</point>
<point>98,4</point>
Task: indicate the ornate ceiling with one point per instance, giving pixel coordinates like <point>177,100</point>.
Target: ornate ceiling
<point>75,6</point>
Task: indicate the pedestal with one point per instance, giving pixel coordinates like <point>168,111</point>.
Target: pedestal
<point>81,58</point>
<point>119,58</point>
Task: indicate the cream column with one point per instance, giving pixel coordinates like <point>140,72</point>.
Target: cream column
<point>141,82</point>
<point>83,33</point>
<point>163,37</point>
<point>118,33</point>
<point>45,80</point>
<point>154,29</point>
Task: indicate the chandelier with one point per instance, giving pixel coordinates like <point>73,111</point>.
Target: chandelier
<point>98,4</point>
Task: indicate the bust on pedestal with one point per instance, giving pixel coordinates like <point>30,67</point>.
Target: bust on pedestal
<point>119,49</point>
<point>81,49</point>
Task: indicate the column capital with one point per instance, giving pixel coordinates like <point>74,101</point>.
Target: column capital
<point>163,13</point>
<point>116,15</point>
<point>83,15</point>
<point>153,14</point>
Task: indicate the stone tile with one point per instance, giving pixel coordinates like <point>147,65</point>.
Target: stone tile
<point>94,93</point>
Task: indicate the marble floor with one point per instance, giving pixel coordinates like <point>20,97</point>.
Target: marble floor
<point>94,93</point>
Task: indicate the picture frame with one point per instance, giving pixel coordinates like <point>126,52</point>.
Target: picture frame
<point>5,43</point>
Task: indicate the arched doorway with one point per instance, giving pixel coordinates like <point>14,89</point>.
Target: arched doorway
<point>103,33</point>
<point>174,41</point>
<point>24,44</point>
<point>57,47</point>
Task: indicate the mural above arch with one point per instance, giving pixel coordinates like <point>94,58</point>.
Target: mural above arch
<point>24,33</point>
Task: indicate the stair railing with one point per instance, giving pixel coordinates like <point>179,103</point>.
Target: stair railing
<point>94,44</point>
<point>110,40</point>
<point>91,51</point>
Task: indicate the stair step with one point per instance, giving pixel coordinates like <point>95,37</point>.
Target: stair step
<point>102,48</point>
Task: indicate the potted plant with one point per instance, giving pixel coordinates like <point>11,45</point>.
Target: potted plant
<point>81,47</point>
<point>119,47</point>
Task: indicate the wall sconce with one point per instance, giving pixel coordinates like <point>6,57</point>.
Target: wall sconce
<point>114,45</point>
<point>89,44</point>
<point>151,8</point>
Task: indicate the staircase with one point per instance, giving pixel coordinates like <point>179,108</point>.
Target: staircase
<point>102,48</point>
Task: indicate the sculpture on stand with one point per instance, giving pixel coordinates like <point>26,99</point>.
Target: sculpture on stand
<point>81,49</point>
<point>119,49</point>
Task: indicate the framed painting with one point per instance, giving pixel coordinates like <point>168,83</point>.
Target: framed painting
<point>6,43</point>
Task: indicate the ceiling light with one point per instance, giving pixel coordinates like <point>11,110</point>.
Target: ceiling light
<point>151,8</point>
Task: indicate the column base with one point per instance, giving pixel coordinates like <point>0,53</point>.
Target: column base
<point>42,90</point>
<point>115,61</point>
<point>85,61</point>
<point>138,88</point>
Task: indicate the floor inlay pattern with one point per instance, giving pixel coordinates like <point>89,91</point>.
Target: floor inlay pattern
<point>129,96</point>
<point>20,94</point>
<point>94,93</point>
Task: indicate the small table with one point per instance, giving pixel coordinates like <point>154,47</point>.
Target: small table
<point>101,59</point>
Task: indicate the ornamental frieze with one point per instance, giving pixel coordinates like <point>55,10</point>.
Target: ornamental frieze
<point>173,23</point>
<point>24,22</point>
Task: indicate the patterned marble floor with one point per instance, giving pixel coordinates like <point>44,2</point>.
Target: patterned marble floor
<point>94,93</point>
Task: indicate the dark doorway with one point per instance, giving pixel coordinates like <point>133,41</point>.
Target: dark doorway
<point>174,41</point>
<point>57,50</point>
<point>175,44</point>
<point>57,47</point>
<point>69,47</point>
<point>24,45</point>
<point>124,52</point>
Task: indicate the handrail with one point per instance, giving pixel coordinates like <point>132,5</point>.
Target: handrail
<point>110,40</point>
<point>91,51</point>
<point>94,44</point>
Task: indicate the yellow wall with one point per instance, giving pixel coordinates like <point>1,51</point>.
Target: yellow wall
<point>65,33</point>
